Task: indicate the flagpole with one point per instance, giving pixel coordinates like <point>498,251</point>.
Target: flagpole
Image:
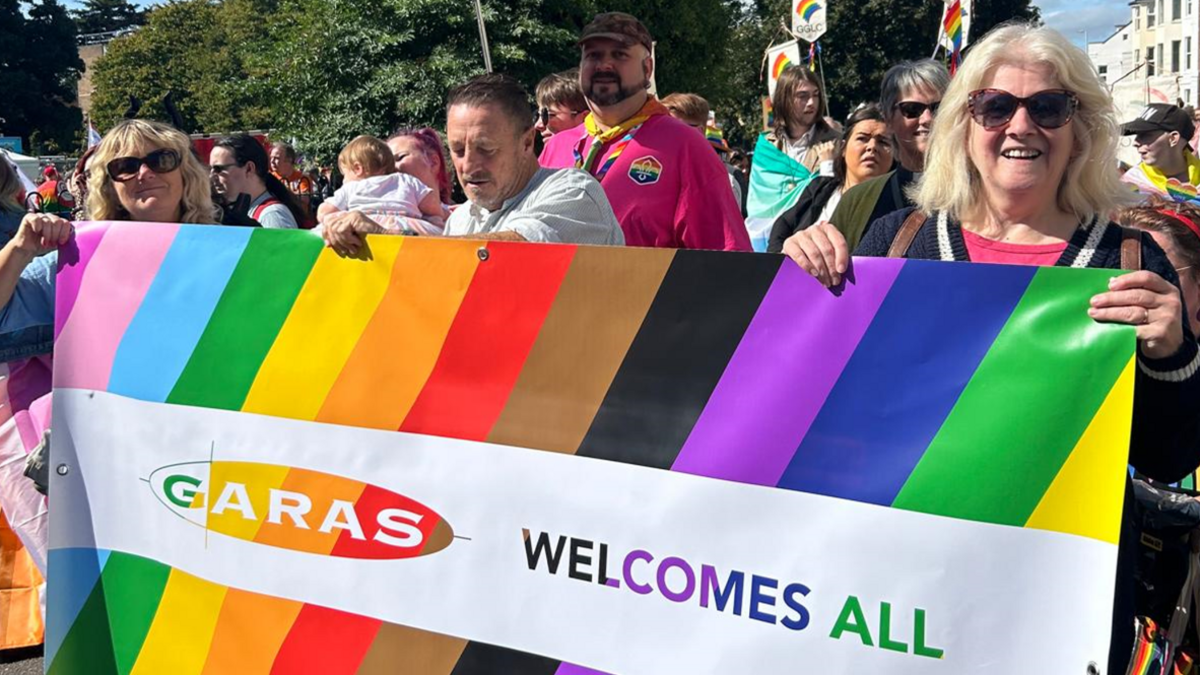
<point>821,69</point>
<point>487,55</point>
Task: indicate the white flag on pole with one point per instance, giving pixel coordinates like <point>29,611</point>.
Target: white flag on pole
<point>779,58</point>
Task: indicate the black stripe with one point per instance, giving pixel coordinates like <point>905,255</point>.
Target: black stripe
<point>483,659</point>
<point>685,342</point>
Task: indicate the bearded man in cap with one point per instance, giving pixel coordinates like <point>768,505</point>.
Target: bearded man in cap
<point>1161,134</point>
<point>660,176</point>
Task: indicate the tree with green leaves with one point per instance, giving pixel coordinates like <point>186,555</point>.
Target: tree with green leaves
<point>198,51</point>
<point>39,74</point>
<point>103,16</point>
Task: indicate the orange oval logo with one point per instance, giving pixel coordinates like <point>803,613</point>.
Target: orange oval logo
<point>301,510</point>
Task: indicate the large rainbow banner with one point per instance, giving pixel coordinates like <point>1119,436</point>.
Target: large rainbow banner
<point>451,457</point>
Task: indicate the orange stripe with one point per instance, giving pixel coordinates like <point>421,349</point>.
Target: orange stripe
<point>401,344</point>
<point>322,489</point>
<point>250,630</point>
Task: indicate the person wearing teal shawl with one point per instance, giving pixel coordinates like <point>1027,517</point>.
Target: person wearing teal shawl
<point>790,155</point>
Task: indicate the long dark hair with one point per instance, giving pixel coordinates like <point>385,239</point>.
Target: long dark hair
<point>246,149</point>
<point>784,100</point>
<point>866,112</point>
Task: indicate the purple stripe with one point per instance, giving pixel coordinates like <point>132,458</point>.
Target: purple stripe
<point>72,261</point>
<point>572,669</point>
<point>784,368</point>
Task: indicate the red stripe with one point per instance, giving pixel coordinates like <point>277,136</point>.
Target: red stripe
<point>325,641</point>
<point>492,334</point>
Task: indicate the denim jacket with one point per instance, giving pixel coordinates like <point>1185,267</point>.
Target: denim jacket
<point>27,321</point>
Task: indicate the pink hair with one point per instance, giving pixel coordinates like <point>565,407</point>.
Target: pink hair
<point>431,142</point>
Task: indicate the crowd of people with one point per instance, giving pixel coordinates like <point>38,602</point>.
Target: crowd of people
<point>1013,161</point>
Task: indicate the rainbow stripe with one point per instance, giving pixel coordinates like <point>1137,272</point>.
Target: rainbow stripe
<point>807,8</point>
<point>1182,192</point>
<point>952,24</point>
<point>781,64</point>
<point>715,338</point>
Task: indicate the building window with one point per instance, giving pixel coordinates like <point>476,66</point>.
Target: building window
<point>1162,56</point>
<point>1187,96</point>
<point>1176,9</point>
<point>1187,53</point>
<point>1137,19</point>
<point>1175,56</point>
<point>1188,8</point>
<point>1103,74</point>
<point>1149,61</point>
<point>1150,15</point>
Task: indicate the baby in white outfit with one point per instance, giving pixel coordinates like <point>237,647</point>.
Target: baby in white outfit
<point>398,202</point>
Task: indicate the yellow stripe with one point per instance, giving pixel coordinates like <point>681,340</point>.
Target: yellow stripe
<point>258,479</point>
<point>333,308</point>
<point>1087,494</point>
<point>401,345</point>
<point>183,627</point>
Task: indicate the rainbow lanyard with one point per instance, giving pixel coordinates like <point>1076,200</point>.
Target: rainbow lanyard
<point>594,151</point>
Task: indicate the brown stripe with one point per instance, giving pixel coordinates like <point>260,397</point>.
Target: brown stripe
<point>400,650</point>
<point>598,311</point>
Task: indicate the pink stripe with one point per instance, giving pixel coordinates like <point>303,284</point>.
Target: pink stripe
<point>72,261</point>
<point>118,277</point>
<point>572,669</point>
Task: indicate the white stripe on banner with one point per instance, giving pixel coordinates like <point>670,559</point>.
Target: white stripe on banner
<point>993,599</point>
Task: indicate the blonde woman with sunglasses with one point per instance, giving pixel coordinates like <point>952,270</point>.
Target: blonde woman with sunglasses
<point>141,171</point>
<point>1020,171</point>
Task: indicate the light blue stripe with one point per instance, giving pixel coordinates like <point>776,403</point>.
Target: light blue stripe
<point>73,573</point>
<point>175,311</point>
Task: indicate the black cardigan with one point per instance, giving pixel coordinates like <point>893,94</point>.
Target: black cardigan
<point>1165,440</point>
<point>803,213</point>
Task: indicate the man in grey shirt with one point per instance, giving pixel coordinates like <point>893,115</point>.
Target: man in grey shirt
<point>489,128</point>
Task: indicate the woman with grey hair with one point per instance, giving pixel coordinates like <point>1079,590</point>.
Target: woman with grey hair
<point>1020,171</point>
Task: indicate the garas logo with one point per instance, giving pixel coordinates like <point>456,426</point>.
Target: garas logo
<point>299,509</point>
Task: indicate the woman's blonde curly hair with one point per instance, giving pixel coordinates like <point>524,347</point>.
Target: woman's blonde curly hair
<point>137,137</point>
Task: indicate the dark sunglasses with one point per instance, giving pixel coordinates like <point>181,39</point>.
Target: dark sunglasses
<point>914,109</point>
<point>543,115</point>
<point>123,169</point>
<point>1049,109</point>
<point>219,168</point>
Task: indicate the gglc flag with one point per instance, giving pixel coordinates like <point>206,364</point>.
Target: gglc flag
<point>808,19</point>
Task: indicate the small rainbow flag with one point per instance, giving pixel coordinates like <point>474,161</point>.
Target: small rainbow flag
<point>807,8</point>
<point>952,24</point>
<point>812,57</point>
<point>503,349</point>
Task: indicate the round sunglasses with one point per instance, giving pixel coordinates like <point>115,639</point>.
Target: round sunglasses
<point>1049,109</point>
<point>124,169</point>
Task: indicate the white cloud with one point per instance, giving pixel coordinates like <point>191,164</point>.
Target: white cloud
<point>1071,18</point>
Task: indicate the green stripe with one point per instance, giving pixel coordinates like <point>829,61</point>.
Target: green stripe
<point>133,587</point>
<point>264,285</point>
<point>1025,408</point>
<point>88,646</point>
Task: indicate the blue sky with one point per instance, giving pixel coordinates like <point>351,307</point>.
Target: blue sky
<point>1071,17</point>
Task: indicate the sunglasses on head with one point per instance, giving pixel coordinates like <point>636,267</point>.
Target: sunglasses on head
<point>123,169</point>
<point>914,109</point>
<point>1049,109</point>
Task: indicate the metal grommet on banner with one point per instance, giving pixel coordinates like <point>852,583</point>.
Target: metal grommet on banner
<point>1093,669</point>
<point>482,253</point>
<point>63,469</point>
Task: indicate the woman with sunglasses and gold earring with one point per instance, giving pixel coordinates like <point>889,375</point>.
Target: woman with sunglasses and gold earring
<point>141,171</point>
<point>1020,171</point>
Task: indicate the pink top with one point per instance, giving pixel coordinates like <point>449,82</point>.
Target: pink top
<point>981,249</point>
<point>668,188</point>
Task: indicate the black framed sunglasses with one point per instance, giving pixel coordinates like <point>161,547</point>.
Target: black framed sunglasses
<point>914,109</point>
<point>123,169</point>
<point>221,168</point>
<point>543,115</point>
<point>1049,109</point>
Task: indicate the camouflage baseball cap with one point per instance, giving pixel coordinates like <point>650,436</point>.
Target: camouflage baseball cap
<point>619,26</point>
